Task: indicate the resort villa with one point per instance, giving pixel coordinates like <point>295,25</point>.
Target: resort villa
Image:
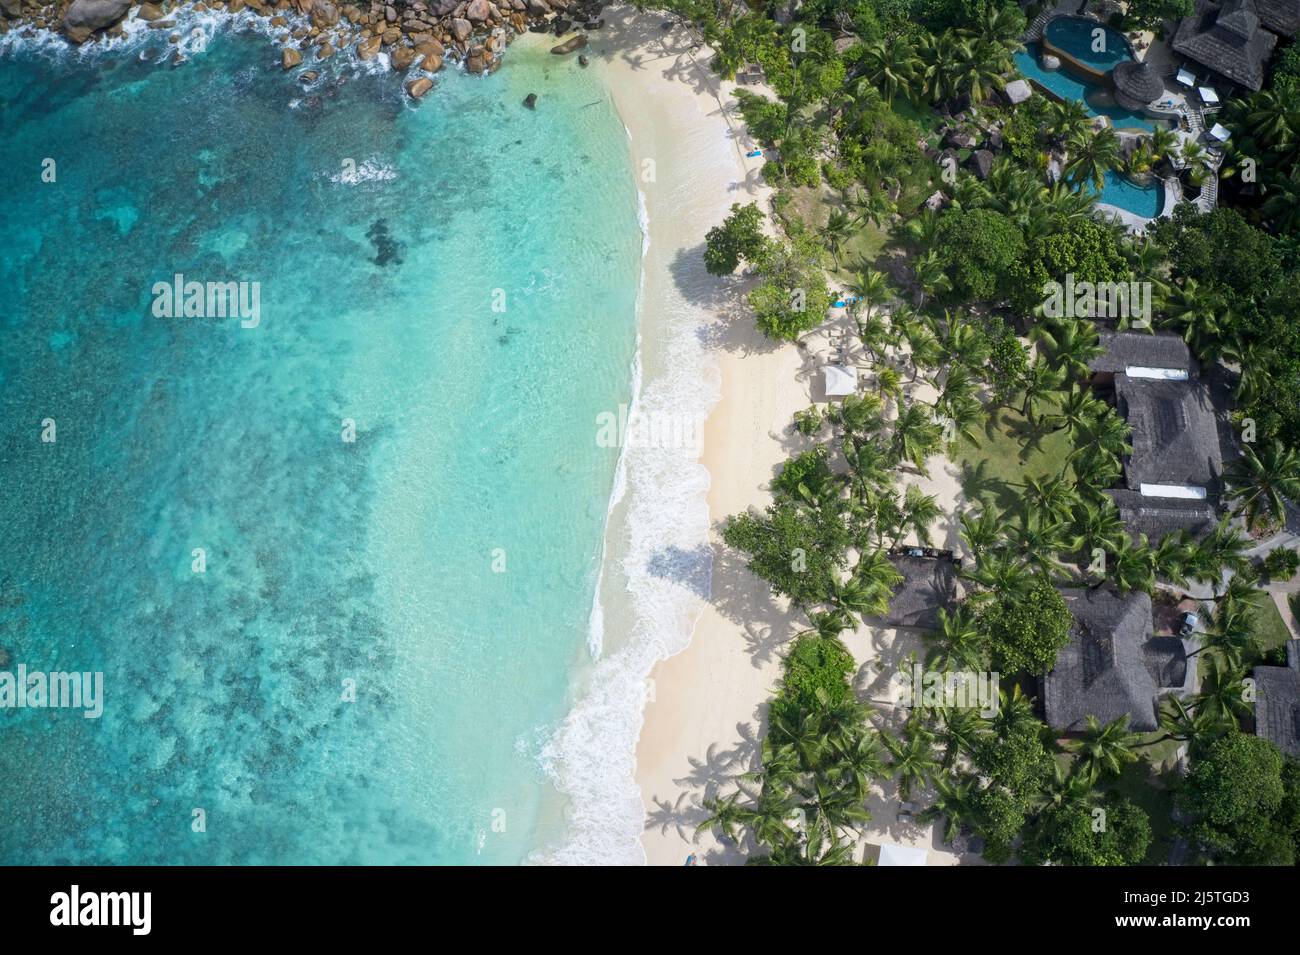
<point>1172,477</point>
<point>1234,40</point>
<point>1176,83</point>
<point>929,583</point>
<point>1113,665</point>
<point>1277,702</point>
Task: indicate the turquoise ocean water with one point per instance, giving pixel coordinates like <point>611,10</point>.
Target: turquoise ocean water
<point>374,561</point>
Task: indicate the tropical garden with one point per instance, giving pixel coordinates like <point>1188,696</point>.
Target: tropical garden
<point>943,267</point>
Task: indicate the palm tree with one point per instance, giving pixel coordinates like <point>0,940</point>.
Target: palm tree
<point>1097,524</point>
<point>964,729</point>
<point>1271,118</point>
<point>916,436</point>
<point>1041,383</point>
<point>1067,119</point>
<point>920,511</point>
<point>891,66</point>
<point>1092,155</point>
<point>977,68</point>
<point>959,643</point>
<point>836,232</point>
<point>953,800</point>
<point>1229,631</point>
<point>868,591</point>
<point>1132,565</point>
<point>1071,343</point>
<point>1001,574</point>
<point>984,530</point>
<point>1282,201</point>
<point>1014,710</point>
<point>1224,548</point>
<point>827,625</point>
<point>1222,693</point>
<point>1106,749</point>
<point>873,206</point>
<point>913,754</point>
<point>1185,724</point>
<point>931,275</point>
<point>1163,144</point>
<point>1261,485</point>
<point>1053,498</point>
<point>869,287</point>
<point>1079,410</point>
<point>1199,313</point>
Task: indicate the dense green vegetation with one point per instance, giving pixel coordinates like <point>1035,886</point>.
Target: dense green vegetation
<point>877,104</point>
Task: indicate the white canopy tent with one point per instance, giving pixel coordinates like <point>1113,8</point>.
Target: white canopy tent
<point>1208,96</point>
<point>1186,77</point>
<point>840,380</point>
<point>891,854</point>
<point>1220,132</point>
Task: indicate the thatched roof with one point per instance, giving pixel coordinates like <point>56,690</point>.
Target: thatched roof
<point>1112,664</point>
<point>1137,81</point>
<point>1277,702</point>
<point>1280,16</point>
<point>1158,517</point>
<point>1174,437</point>
<point>928,584</point>
<point>1124,350</point>
<point>1228,39</point>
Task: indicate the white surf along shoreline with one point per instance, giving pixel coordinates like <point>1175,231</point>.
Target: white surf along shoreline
<point>655,579</point>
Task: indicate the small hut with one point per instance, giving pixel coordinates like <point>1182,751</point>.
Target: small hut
<point>1136,85</point>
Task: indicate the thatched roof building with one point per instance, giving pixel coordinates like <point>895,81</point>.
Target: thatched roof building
<point>928,584</point>
<point>1175,439</point>
<point>1230,39</point>
<point>1277,702</point>
<point>1136,84</point>
<point>1112,665</point>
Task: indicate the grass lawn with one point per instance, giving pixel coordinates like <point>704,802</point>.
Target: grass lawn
<point>813,206</point>
<point>991,470</point>
<point>1144,786</point>
<point>1269,627</point>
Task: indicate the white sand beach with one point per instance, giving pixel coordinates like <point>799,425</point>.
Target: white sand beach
<point>706,701</point>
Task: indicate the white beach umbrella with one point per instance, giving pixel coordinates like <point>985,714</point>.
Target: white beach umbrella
<point>1220,132</point>
<point>1208,96</point>
<point>891,854</point>
<point>840,380</point>
<point>1186,78</point>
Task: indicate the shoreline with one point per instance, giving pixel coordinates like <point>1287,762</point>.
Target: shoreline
<point>677,675</point>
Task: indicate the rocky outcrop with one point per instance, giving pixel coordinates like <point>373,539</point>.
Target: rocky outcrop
<point>418,87</point>
<point>568,46</point>
<point>84,17</point>
<point>531,101</point>
<point>432,52</point>
<point>324,14</point>
<point>415,33</point>
<point>401,58</point>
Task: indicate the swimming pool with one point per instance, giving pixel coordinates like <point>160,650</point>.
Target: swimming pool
<point>1064,85</point>
<point>1089,41</point>
<point>1120,191</point>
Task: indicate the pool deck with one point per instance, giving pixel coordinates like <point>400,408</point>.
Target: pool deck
<point>1136,224</point>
